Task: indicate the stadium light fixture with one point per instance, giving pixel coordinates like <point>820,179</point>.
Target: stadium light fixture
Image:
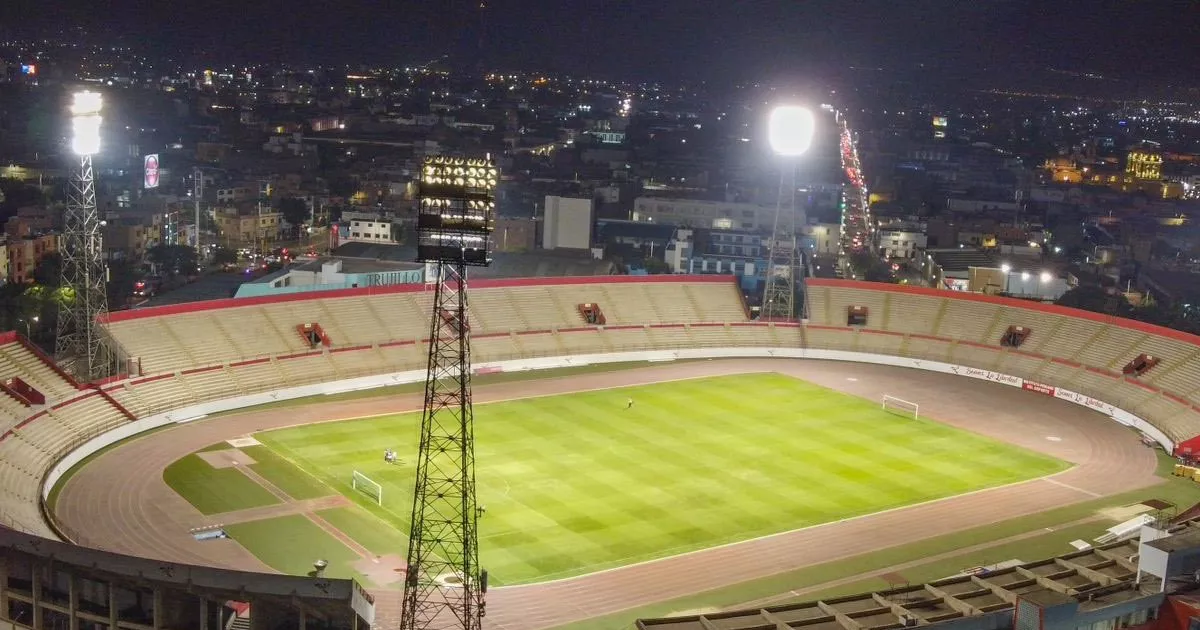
<point>457,210</point>
<point>790,130</point>
<point>85,123</point>
<point>1006,267</point>
<point>1046,277</point>
<point>1024,276</point>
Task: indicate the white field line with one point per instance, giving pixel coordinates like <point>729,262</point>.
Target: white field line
<point>1075,488</point>
<point>747,541</point>
<point>723,545</point>
<point>565,392</point>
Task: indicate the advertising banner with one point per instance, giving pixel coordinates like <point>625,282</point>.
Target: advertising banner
<point>151,171</point>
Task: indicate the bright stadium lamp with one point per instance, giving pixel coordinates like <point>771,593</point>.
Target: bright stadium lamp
<point>790,130</point>
<point>85,123</point>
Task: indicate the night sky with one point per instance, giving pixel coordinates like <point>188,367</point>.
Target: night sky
<point>667,39</point>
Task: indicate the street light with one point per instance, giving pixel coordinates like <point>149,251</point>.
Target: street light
<point>28,335</point>
<point>85,123</point>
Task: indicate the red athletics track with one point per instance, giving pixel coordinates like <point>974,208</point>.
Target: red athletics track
<point>122,503</point>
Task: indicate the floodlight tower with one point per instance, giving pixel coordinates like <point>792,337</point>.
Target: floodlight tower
<point>791,131</point>
<point>444,587</point>
<point>84,275</point>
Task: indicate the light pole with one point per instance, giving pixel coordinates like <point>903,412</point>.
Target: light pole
<point>34,319</point>
<point>1006,268</point>
<point>78,336</point>
<point>790,130</point>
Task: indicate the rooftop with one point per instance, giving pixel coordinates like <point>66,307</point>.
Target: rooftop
<point>1092,578</point>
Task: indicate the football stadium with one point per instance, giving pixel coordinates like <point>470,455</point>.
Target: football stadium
<point>648,455</point>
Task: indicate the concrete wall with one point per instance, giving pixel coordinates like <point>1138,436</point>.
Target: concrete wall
<point>567,223</point>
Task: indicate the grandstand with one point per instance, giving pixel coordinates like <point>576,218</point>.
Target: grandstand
<point>1096,583</point>
<point>208,351</point>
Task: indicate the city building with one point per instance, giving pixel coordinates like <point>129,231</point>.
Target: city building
<point>1171,288</point>
<point>24,254</point>
<point>1144,164</point>
<point>901,240</point>
<point>727,252</point>
<point>237,193</point>
<point>700,213</point>
<point>128,238</point>
<point>567,223</point>
<point>979,271</point>
<point>246,227</point>
<point>32,220</point>
<point>325,274</point>
<point>370,227</point>
<point>821,238</point>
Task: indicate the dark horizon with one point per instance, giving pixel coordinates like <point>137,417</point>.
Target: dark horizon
<point>662,40</point>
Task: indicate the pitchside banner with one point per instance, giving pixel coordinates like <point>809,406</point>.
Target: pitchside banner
<point>151,171</point>
<point>986,375</point>
<point>1040,388</point>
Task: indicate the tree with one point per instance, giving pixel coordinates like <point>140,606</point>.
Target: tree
<point>342,186</point>
<point>18,194</point>
<point>1096,299</point>
<point>173,259</point>
<point>867,266</point>
<point>294,210</point>
<point>49,270</point>
<point>656,266</point>
<point>224,256</point>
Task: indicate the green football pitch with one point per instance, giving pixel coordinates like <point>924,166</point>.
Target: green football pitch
<point>578,483</point>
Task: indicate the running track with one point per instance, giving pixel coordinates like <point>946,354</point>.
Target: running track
<point>124,506</point>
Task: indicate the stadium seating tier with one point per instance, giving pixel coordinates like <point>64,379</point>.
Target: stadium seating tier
<point>246,347</point>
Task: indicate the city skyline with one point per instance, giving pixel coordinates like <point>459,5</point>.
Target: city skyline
<point>670,39</point>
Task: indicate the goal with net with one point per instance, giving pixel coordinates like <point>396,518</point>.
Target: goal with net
<point>900,406</point>
<point>363,484</point>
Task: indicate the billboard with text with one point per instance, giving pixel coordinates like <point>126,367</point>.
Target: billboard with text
<point>151,171</point>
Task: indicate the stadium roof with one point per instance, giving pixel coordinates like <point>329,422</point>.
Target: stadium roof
<point>1094,578</point>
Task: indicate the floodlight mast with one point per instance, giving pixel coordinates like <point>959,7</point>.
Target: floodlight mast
<point>444,587</point>
<point>790,130</point>
<point>79,342</point>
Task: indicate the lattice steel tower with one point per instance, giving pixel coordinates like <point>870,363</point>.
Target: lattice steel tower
<point>791,131</point>
<point>84,274</point>
<point>445,586</point>
<point>779,294</point>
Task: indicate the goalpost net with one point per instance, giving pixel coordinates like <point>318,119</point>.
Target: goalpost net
<point>900,406</point>
<point>363,484</point>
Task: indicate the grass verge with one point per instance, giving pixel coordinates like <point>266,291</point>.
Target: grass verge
<point>290,544</point>
<point>215,490</point>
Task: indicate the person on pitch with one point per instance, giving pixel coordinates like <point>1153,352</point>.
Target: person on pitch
<point>629,404</point>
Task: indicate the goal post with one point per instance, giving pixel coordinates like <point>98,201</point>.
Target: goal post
<point>363,484</point>
<point>900,406</point>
